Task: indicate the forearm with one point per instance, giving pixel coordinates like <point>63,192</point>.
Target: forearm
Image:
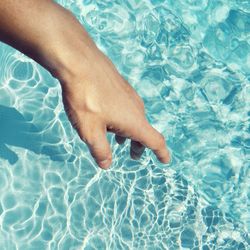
<point>44,31</point>
<point>97,98</point>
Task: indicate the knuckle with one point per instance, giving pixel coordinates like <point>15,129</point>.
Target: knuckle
<point>87,136</point>
<point>89,131</point>
<point>90,140</point>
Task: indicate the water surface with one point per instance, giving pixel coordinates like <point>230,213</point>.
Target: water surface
<point>190,62</point>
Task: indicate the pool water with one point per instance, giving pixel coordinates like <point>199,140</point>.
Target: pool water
<point>190,62</point>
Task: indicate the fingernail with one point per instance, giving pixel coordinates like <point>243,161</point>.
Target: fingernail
<point>104,163</point>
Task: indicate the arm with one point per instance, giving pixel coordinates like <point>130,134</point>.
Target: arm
<point>96,97</point>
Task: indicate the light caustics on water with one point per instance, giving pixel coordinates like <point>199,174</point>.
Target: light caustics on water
<point>190,62</point>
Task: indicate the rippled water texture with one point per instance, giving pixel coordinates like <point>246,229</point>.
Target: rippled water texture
<point>190,61</point>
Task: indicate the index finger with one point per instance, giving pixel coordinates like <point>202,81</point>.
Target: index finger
<point>151,138</point>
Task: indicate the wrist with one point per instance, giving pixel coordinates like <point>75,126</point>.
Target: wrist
<point>66,47</point>
<point>54,38</point>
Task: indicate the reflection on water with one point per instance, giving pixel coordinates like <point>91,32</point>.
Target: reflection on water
<point>189,60</point>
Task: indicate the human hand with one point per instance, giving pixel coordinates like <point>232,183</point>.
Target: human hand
<point>96,97</point>
<point>99,100</point>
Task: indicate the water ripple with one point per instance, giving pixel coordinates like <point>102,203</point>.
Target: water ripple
<point>189,61</point>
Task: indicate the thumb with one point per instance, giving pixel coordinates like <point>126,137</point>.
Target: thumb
<point>99,148</point>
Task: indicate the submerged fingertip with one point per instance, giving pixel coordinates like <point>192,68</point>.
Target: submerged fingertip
<point>105,164</point>
<point>169,159</point>
<point>166,158</point>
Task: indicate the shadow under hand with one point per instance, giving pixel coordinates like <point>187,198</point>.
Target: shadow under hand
<point>16,131</point>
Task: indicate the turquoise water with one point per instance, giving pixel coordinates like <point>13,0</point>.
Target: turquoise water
<point>190,62</point>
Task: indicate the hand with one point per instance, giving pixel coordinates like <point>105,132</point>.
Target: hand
<point>98,100</point>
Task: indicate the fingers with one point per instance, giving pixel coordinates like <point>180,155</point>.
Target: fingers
<point>136,150</point>
<point>154,140</point>
<point>142,135</point>
<point>151,138</point>
<point>98,145</point>
<point>101,152</point>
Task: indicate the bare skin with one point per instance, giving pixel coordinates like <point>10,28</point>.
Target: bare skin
<point>96,97</point>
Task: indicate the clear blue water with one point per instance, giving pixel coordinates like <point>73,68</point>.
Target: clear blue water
<point>190,62</point>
